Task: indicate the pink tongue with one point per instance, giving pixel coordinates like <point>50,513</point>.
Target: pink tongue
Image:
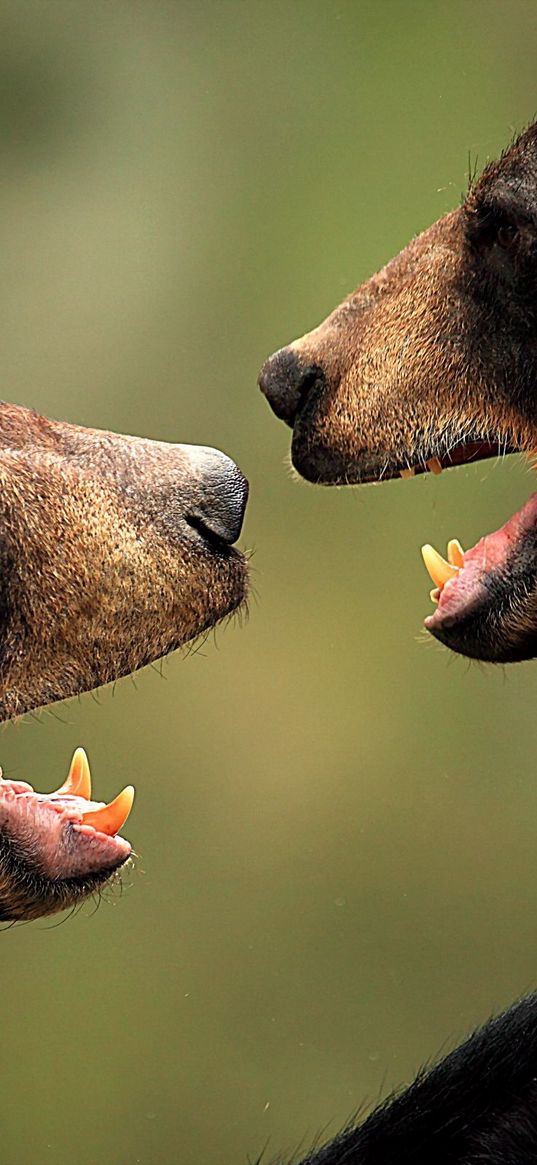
<point>490,553</point>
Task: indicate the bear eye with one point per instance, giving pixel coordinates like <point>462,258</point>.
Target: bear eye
<point>506,235</point>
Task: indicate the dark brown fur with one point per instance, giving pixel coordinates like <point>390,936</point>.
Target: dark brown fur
<point>435,357</point>
<point>438,349</point>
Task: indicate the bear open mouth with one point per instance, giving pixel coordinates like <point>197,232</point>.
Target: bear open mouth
<point>58,847</point>
<point>486,597</point>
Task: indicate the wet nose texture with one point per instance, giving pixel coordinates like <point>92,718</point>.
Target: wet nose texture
<point>286,383</point>
<point>220,496</point>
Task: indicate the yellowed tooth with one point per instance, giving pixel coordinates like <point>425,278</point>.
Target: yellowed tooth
<point>78,783</point>
<point>438,568</point>
<point>407,472</point>
<point>434,595</point>
<point>434,465</point>
<point>455,553</point>
<point>109,818</point>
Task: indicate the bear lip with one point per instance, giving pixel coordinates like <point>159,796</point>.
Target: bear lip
<point>49,832</point>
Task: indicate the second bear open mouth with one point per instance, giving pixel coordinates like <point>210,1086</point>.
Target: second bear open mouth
<point>487,596</point>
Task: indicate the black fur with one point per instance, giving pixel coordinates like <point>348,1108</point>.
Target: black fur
<point>478,1106</point>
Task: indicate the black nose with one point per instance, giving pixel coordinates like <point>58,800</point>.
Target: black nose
<point>286,383</point>
<point>219,496</point>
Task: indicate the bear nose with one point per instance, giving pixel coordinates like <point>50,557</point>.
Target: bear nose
<point>219,495</point>
<point>286,383</point>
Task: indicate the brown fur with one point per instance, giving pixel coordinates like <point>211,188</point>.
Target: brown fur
<point>100,571</point>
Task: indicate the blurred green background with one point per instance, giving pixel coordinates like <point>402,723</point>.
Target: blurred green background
<point>336,820</point>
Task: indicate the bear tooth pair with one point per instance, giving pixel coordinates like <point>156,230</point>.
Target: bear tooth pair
<point>107,818</point>
<point>440,570</point>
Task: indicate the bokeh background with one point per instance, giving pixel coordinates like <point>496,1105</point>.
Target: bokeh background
<point>336,820</point>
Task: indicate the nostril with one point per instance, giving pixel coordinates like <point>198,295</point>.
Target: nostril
<point>200,525</point>
<point>220,497</point>
<point>286,383</point>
